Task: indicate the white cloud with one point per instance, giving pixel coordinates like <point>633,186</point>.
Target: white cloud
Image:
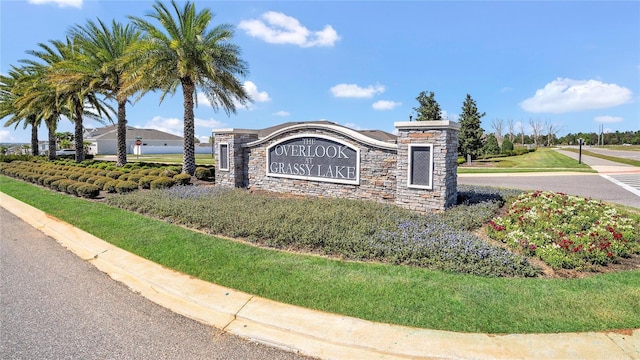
<point>5,136</point>
<point>564,95</point>
<point>446,116</point>
<point>281,113</point>
<point>353,126</point>
<point>355,91</point>
<point>257,96</point>
<point>278,28</point>
<point>385,105</point>
<point>608,119</point>
<point>175,126</point>
<point>250,88</point>
<point>60,3</point>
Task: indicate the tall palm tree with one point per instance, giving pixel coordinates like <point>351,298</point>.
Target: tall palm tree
<point>107,47</point>
<point>10,93</point>
<point>183,52</point>
<point>76,88</point>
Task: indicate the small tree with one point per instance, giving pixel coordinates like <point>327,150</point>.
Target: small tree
<point>491,146</point>
<point>429,108</point>
<point>470,138</point>
<point>507,146</point>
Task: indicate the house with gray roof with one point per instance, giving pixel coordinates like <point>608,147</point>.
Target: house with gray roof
<point>104,141</point>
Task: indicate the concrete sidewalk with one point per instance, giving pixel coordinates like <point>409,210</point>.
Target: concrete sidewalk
<point>310,332</point>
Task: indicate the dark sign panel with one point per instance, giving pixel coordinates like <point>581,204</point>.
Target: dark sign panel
<point>314,158</point>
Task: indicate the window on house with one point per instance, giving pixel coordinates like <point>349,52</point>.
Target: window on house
<point>223,155</point>
<point>420,166</point>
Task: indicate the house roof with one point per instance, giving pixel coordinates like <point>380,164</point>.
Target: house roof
<point>111,133</point>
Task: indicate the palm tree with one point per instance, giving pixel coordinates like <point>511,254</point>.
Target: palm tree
<point>183,52</point>
<point>107,48</point>
<point>10,93</point>
<point>39,95</point>
<point>74,80</point>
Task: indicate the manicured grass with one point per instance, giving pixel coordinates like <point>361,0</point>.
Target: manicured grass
<point>606,157</point>
<point>385,293</point>
<point>201,159</point>
<point>541,160</point>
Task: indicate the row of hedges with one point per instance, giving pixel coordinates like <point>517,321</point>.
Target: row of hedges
<point>89,181</point>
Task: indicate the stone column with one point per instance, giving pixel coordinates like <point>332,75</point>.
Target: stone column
<point>427,175</point>
<point>233,140</point>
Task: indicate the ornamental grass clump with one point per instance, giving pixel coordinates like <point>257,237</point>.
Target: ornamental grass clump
<point>567,231</point>
<point>349,229</point>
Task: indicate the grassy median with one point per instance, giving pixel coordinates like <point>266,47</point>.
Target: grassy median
<point>541,160</point>
<point>385,293</point>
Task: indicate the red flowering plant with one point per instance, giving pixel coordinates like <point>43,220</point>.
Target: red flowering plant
<point>567,231</point>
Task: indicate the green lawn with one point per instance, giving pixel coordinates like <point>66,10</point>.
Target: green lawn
<point>606,157</point>
<point>201,159</point>
<point>541,160</point>
<point>384,293</point>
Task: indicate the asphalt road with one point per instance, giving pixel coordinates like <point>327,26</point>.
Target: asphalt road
<point>53,305</point>
<point>587,185</point>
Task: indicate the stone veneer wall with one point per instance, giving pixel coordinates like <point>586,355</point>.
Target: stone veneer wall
<point>444,138</point>
<point>236,139</point>
<point>377,172</point>
<point>383,171</point>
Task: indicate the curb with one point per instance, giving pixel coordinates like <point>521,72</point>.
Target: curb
<point>310,332</point>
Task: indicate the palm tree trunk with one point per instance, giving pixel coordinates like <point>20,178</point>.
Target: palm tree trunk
<point>35,150</point>
<point>51,129</point>
<point>122,134</point>
<point>189,157</point>
<point>78,134</point>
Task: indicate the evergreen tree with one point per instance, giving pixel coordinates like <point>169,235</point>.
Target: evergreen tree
<point>429,108</point>
<point>491,146</point>
<point>507,146</point>
<point>470,138</point>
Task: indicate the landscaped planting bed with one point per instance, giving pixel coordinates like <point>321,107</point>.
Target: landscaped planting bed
<point>567,232</point>
<point>88,178</point>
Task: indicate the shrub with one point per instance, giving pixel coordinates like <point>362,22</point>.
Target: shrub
<point>507,146</point>
<point>114,174</point>
<point>101,181</point>
<point>73,188</point>
<point>63,185</point>
<point>90,191</point>
<point>202,173</point>
<point>110,186</point>
<point>135,177</point>
<point>126,186</point>
<point>145,181</point>
<point>169,173</point>
<point>182,179</point>
<point>162,182</point>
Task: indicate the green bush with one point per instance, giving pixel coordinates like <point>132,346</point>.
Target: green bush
<point>507,145</point>
<point>110,186</point>
<point>162,182</point>
<point>145,181</point>
<point>169,173</point>
<point>135,177</point>
<point>202,173</point>
<point>114,174</point>
<point>63,185</point>
<point>101,181</point>
<point>182,179</point>
<point>126,186</point>
<point>73,188</point>
<point>90,191</point>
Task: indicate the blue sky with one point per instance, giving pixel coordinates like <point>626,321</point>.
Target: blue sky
<point>572,64</point>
